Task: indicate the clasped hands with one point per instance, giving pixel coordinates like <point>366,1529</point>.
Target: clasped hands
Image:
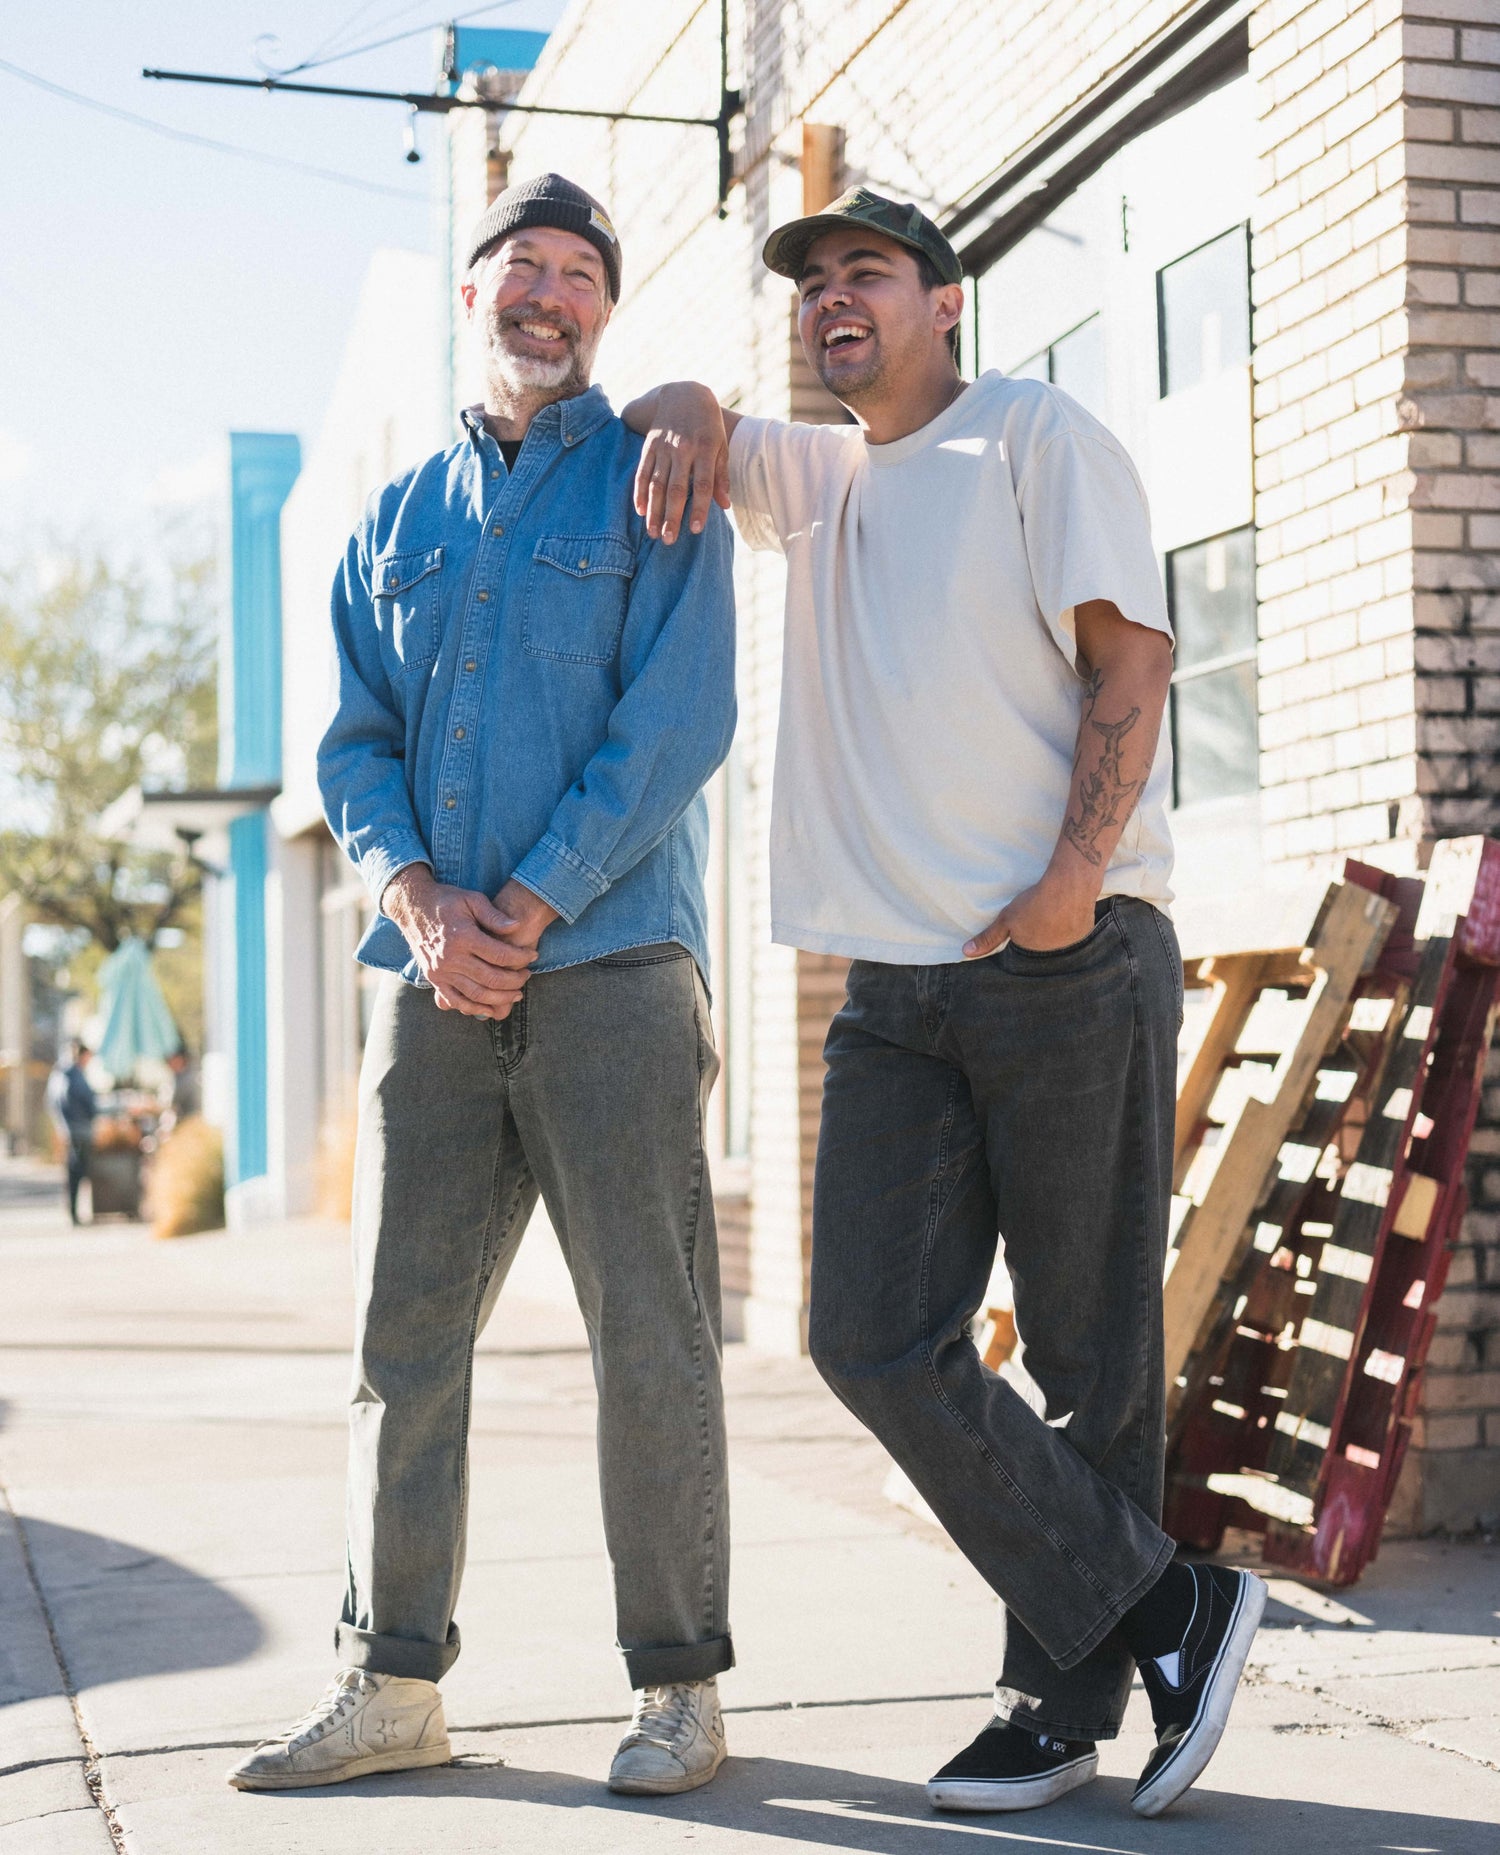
<point>475,953</point>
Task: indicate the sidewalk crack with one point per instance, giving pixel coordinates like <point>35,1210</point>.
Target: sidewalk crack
<point>1414,1732</point>
<point>92,1775</point>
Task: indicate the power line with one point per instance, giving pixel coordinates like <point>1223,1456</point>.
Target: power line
<point>349,24</point>
<point>323,51</point>
<point>414,32</point>
<point>206,141</point>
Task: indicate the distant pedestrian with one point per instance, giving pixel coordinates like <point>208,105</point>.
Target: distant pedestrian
<point>532,693</point>
<point>74,1108</point>
<point>184,1100</point>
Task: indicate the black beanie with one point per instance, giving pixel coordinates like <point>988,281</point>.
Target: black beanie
<point>550,200</point>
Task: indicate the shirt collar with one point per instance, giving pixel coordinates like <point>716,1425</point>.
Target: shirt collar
<point>572,419</point>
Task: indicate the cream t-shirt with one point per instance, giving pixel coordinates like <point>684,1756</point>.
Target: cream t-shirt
<point>930,704</point>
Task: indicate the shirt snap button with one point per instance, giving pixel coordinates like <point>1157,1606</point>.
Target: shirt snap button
<point>482,597</point>
<point>458,734</point>
<point>471,665</point>
<point>584,562</point>
<point>493,475</point>
<point>497,530</point>
<point>450,802</point>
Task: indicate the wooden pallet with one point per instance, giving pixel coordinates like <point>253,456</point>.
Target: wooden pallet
<point>1297,1416</point>
<point>1227,1166</point>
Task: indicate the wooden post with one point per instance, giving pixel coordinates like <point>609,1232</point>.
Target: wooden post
<point>822,165</point>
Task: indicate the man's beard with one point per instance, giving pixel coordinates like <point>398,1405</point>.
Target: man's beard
<point>849,383</point>
<point>533,373</point>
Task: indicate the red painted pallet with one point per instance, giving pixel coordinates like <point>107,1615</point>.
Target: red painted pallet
<point>1318,1425</point>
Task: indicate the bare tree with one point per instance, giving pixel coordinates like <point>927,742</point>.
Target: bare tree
<point>106,681</point>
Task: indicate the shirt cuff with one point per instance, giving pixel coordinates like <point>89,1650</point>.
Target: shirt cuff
<point>560,877</point>
<point>383,861</point>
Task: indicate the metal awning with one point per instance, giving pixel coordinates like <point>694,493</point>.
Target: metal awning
<point>174,820</point>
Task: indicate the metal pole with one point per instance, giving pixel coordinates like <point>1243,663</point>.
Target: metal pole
<point>426,101</point>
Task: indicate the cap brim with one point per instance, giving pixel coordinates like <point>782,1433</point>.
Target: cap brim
<point>784,251</point>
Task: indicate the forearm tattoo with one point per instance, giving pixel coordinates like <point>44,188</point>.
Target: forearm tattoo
<point>1104,794</point>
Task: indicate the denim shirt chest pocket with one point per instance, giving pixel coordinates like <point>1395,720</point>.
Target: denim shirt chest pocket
<point>407,588</point>
<point>577,590</point>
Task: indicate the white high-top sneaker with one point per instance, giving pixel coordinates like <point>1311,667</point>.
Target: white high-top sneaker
<point>362,1722</point>
<point>675,1742</point>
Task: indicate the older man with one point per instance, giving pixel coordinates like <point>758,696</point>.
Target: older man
<point>531,694</point>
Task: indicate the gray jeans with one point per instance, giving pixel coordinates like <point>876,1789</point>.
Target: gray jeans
<point>593,1091</point>
<point>1029,1094</point>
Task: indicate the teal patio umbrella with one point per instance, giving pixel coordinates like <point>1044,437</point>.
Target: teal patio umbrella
<point>137,1020</point>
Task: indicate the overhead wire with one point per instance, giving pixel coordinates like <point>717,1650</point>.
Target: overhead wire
<point>412,32</point>
<point>174,134</point>
<point>354,19</point>
<point>323,51</point>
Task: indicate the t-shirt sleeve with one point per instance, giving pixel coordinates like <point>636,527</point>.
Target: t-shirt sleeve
<point>774,473</point>
<point>1088,535</point>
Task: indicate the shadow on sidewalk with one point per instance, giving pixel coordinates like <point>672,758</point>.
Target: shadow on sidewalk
<point>814,1806</point>
<point>120,1612</point>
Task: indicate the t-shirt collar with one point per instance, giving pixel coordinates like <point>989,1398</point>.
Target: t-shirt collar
<point>933,432</point>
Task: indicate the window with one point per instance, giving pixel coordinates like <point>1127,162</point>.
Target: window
<point>1203,311</point>
<point>1075,362</point>
<point>1211,595</point>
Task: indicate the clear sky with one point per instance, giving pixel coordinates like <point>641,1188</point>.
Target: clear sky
<point>154,294</point>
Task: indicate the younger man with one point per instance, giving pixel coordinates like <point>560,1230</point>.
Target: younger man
<point>970,803</point>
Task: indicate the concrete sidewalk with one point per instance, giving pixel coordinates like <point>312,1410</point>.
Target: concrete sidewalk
<point>171,1444</point>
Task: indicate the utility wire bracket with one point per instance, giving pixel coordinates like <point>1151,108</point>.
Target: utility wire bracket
<point>731,103</point>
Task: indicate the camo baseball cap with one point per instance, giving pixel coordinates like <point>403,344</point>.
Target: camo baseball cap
<point>785,251</point>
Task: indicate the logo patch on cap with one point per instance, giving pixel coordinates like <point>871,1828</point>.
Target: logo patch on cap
<point>596,218</point>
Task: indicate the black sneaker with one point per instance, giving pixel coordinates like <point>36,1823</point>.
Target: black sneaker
<point>1009,1768</point>
<point>1192,1689</point>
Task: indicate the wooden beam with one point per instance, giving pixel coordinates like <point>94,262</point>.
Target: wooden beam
<point>1238,982</point>
<point>1351,931</point>
<point>822,165</point>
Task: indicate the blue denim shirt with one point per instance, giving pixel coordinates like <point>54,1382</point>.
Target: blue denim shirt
<point>529,686</point>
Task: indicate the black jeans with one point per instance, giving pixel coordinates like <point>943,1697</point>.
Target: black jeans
<point>1031,1095</point>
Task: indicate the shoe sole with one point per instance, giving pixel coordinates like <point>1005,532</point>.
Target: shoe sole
<point>1199,1743</point>
<point>666,1787</point>
<point>356,1768</point>
<point>978,1794</point>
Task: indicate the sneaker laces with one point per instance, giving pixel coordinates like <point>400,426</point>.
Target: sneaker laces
<point>342,1695</point>
<point>660,1715</point>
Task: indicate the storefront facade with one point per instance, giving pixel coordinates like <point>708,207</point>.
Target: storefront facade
<point>1259,241</point>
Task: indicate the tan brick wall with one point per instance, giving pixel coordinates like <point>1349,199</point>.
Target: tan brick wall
<point>1452,408</point>
<point>1376,255</point>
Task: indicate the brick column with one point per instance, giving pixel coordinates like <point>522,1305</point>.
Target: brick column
<point>1376,262</point>
<point>1451,407</point>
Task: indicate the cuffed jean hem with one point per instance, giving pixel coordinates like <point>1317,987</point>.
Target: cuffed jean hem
<point>396,1655</point>
<point>1013,1707</point>
<point>689,1661</point>
<point>1091,1640</point>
